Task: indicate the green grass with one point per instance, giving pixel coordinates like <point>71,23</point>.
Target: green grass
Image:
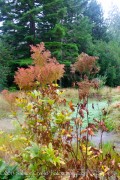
<point>113,117</point>
<point>108,148</point>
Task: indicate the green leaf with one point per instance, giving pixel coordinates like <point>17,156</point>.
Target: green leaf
<point>33,150</point>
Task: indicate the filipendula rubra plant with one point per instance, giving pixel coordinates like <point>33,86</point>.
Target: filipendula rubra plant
<point>42,157</point>
<point>53,146</point>
<point>92,164</point>
<point>45,69</point>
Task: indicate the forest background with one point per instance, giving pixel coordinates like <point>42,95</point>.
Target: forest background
<point>67,27</point>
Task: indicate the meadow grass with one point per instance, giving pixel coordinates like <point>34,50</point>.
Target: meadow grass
<point>112,95</point>
<point>4,108</point>
<point>7,146</point>
<point>112,118</point>
<point>70,94</point>
<point>104,93</point>
<point>11,143</point>
<point>108,148</point>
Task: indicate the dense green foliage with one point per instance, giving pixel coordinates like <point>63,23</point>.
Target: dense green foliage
<point>10,172</point>
<point>109,60</point>
<point>5,63</point>
<point>68,27</point>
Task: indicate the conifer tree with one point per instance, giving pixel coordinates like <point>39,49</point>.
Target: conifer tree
<point>20,18</point>
<point>95,13</point>
<point>5,63</point>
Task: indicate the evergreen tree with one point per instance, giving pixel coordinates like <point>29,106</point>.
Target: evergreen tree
<point>54,29</point>
<point>20,18</point>
<point>109,60</point>
<point>51,21</point>
<point>5,63</point>
<point>78,26</point>
<point>95,13</point>
<point>68,27</point>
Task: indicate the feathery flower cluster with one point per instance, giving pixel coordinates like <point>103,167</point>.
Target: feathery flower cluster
<point>45,69</point>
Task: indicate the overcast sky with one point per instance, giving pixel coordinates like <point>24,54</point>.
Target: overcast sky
<point>107,5</point>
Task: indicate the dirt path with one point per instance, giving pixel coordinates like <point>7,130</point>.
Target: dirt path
<point>6,124</point>
<point>108,137</point>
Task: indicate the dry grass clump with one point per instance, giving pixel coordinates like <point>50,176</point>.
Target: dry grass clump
<point>116,94</point>
<point>102,92</point>
<point>105,92</point>
<point>71,94</point>
<point>113,116</point>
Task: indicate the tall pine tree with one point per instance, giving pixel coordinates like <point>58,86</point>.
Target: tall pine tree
<point>20,19</point>
<point>95,13</point>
